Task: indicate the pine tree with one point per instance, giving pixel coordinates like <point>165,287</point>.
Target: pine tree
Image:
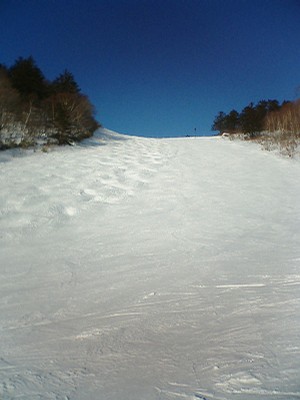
<point>232,121</point>
<point>28,79</point>
<point>219,122</point>
<point>65,83</point>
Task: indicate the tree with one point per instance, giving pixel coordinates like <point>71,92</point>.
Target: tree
<point>9,108</point>
<point>9,98</point>
<point>227,122</point>
<point>249,121</point>
<point>273,105</point>
<point>72,115</point>
<point>65,83</point>
<point>232,121</point>
<point>286,119</point>
<point>28,79</point>
<point>219,122</point>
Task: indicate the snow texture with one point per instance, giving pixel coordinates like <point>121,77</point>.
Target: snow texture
<point>149,269</point>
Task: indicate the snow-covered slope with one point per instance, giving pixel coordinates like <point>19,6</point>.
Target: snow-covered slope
<point>135,268</point>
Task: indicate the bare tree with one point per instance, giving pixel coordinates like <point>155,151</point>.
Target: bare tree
<point>283,128</point>
<point>71,115</point>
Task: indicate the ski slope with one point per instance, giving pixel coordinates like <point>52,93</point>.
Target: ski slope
<point>149,269</point>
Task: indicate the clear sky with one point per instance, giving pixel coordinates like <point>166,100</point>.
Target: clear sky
<point>161,67</point>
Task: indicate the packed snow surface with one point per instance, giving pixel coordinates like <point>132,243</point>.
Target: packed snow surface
<point>149,269</point>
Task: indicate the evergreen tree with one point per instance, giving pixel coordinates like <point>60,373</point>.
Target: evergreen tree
<point>248,119</point>
<point>219,122</point>
<point>9,101</point>
<point>273,105</point>
<point>232,121</point>
<point>28,79</point>
<point>65,83</point>
<point>226,122</point>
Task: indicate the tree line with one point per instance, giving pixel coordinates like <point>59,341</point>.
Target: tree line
<point>276,126</point>
<point>34,109</point>
<point>251,120</point>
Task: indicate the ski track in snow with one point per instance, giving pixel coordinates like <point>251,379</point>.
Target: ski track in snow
<point>154,269</point>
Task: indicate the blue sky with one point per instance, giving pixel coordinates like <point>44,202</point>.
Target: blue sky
<point>161,68</point>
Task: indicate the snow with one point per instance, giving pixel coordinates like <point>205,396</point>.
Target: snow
<point>154,269</point>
